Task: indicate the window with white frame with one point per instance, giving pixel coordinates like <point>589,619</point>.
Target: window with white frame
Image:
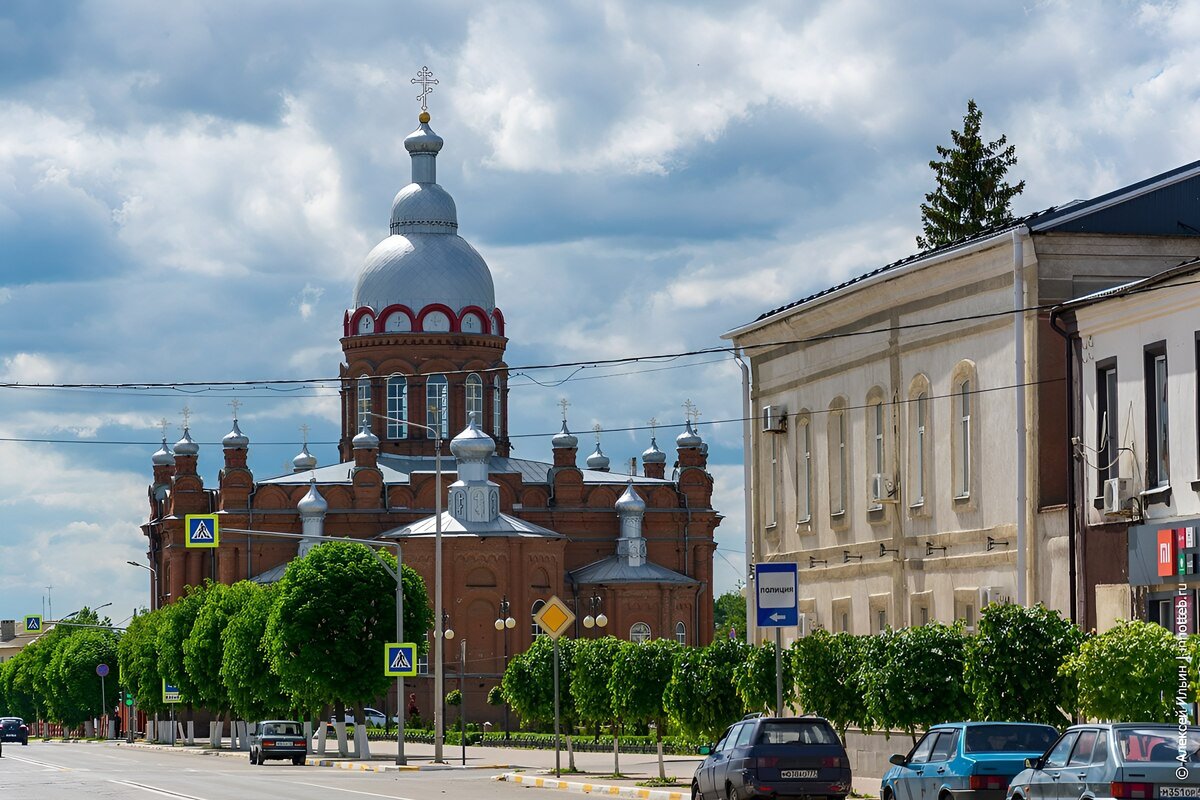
<point>920,446</point>
<point>772,498</point>
<point>1158,461</point>
<point>837,458</point>
<point>680,633</point>
<point>639,633</point>
<point>364,399</point>
<point>1107,424</point>
<point>497,409</point>
<point>804,471</point>
<point>397,407</point>
<point>962,407</point>
<point>437,405</point>
<point>534,627</point>
<point>877,489</point>
<point>475,398</point>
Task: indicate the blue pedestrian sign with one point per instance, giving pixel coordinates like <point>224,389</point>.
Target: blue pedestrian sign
<point>33,622</point>
<point>399,659</point>
<point>203,530</point>
<point>776,587</point>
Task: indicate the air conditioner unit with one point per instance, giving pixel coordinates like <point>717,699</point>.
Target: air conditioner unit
<point>879,489</point>
<point>991,594</point>
<point>1118,494</point>
<point>774,419</point>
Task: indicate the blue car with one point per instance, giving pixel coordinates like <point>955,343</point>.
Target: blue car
<point>965,761</point>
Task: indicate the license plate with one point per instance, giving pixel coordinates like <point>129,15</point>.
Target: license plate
<point>812,773</point>
<point>1179,791</point>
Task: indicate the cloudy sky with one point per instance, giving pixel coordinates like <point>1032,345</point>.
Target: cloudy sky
<point>188,189</point>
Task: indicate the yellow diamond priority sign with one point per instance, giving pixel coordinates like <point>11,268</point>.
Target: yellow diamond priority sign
<point>554,617</point>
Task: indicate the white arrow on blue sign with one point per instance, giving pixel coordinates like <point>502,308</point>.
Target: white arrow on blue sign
<point>776,586</point>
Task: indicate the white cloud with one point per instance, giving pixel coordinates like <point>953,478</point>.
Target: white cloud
<point>306,301</point>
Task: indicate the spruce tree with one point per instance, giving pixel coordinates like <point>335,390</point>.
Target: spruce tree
<point>971,193</point>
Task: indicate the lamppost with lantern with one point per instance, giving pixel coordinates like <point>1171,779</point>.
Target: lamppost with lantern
<point>505,623</point>
<point>596,618</point>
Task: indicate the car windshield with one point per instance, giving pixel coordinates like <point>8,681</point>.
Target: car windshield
<point>282,729</point>
<point>1158,744</point>
<point>1009,738</point>
<point>796,732</point>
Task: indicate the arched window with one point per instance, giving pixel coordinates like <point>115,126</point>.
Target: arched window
<point>804,466</point>
<point>397,407</point>
<point>497,409</point>
<point>680,633</point>
<point>533,626</point>
<point>640,632</point>
<point>876,445</point>
<point>838,458</point>
<point>475,398</point>
<point>364,400</point>
<point>962,407</point>
<point>437,405</point>
<point>920,446</point>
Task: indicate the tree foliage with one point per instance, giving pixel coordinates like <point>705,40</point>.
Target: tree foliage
<point>594,661</point>
<point>700,697</point>
<point>254,691</point>
<point>528,683</point>
<point>919,679</point>
<point>639,680</point>
<point>174,629</point>
<point>137,653</point>
<point>1012,667</point>
<point>754,679</point>
<point>73,690</point>
<point>729,615</point>
<point>1129,673</point>
<point>203,650</point>
<point>829,678</point>
<point>972,194</point>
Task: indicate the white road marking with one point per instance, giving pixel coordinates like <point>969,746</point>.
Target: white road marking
<point>351,791</point>
<point>45,764</point>
<point>155,790</point>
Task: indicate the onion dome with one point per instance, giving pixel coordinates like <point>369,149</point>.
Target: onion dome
<point>312,504</point>
<point>472,444</point>
<point>235,439</point>
<point>598,460</point>
<point>689,439</point>
<point>185,446</point>
<point>652,455</point>
<point>365,439</point>
<point>564,439</point>
<point>163,457</point>
<point>304,460</point>
<point>630,502</point>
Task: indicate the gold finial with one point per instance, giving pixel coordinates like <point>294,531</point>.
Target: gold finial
<point>424,117</point>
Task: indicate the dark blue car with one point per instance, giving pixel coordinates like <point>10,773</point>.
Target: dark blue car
<point>965,761</point>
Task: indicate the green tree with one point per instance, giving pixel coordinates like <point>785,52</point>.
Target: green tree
<point>176,626</point>
<point>972,194</point>
<point>594,660</point>
<point>1012,668</point>
<point>829,680</point>
<point>137,653</point>
<point>729,615</point>
<point>254,690</point>
<point>72,686</point>
<point>754,679</point>
<point>638,685</point>
<point>1126,674</point>
<point>202,649</point>
<point>700,697</point>
<point>528,683</point>
<point>919,679</point>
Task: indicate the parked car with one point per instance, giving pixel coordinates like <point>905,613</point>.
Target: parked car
<point>14,729</point>
<point>974,760</point>
<point>774,757</point>
<point>374,717</point>
<point>278,739</point>
<point>1126,761</point>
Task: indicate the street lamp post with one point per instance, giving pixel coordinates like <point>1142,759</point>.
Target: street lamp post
<point>154,588</point>
<point>596,618</point>
<point>505,623</point>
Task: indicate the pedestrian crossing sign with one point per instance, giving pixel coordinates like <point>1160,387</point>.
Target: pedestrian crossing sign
<point>399,659</point>
<point>33,622</point>
<point>203,530</point>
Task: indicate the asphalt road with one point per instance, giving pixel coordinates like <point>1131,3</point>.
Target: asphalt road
<point>57,771</point>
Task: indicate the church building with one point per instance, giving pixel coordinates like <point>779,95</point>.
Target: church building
<point>424,346</point>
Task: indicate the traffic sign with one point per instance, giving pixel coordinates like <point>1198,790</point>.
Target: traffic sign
<point>171,693</point>
<point>554,617</point>
<point>102,670</point>
<point>203,530</point>
<point>33,622</point>
<point>776,586</point>
<point>399,659</point>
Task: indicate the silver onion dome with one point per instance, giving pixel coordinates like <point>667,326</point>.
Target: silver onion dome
<point>689,439</point>
<point>304,460</point>
<point>630,502</point>
<point>564,439</point>
<point>472,444</point>
<point>652,455</point>
<point>598,460</point>
<point>312,504</point>
<point>163,457</point>
<point>235,439</point>
<point>185,446</point>
<point>365,439</point>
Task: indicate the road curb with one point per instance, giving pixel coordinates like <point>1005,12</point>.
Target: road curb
<point>361,766</point>
<point>630,792</point>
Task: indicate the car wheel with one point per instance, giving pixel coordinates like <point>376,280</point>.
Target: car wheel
<point>696,792</point>
<point>253,758</point>
<point>298,761</point>
<point>733,794</point>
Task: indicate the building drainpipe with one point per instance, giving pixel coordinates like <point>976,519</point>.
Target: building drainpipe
<point>1019,384</point>
<point>1072,520</point>
<point>747,477</point>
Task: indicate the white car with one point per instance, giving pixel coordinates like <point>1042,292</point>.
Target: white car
<point>374,717</point>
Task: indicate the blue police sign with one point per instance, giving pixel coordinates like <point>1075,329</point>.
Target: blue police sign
<point>399,659</point>
<point>203,530</point>
<point>776,587</point>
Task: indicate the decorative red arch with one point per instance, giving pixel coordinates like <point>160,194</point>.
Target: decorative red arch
<point>365,311</point>
<point>483,317</point>
<point>445,309</point>
<point>387,312</point>
<point>499,317</point>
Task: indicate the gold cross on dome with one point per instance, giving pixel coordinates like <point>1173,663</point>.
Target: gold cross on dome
<point>427,81</point>
<point>564,404</point>
<point>187,417</point>
<point>235,404</point>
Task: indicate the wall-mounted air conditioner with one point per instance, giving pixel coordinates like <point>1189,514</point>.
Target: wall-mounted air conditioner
<point>879,490</point>
<point>1118,495</point>
<point>774,419</point>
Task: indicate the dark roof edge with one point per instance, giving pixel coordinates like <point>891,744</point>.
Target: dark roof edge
<point>1133,287</point>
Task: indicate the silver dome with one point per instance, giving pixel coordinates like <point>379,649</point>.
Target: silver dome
<point>418,269</point>
<point>472,444</point>
<point>304,460</point>
<point>185,446</point>
<point>564,439</point>
<point>235,439</point>
<point>689,439</point>
<point>365,439</point>
<point>652,455</point>
<point>597,460</point>
<point>163,457</point>
<point>312,504</point>
<point>424,208</point>
<point>630,502</point>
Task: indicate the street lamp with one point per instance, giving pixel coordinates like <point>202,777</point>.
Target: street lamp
<point>439,722</point>
<point>154,588</point>
<point>505,623</point>
<point>598,620</point>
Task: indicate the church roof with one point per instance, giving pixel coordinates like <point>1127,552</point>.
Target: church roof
<point>503,525</point>
<point>614,569</point>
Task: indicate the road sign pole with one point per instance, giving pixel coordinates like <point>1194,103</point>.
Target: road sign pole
<point>401,759</point>
<point>778,672</point>
<point>557,738</point>
<point>103,705</point>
